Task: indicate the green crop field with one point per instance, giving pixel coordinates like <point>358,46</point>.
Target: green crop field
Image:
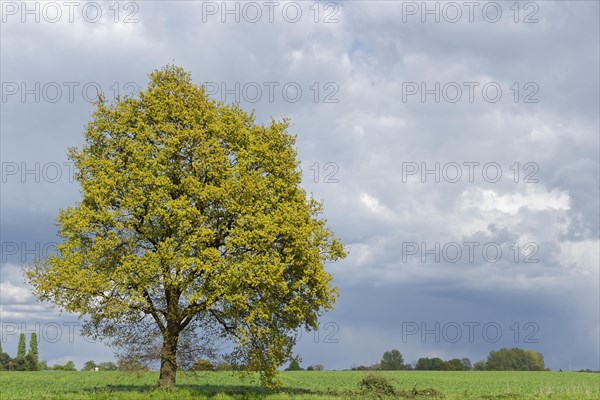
<point>299,385</point>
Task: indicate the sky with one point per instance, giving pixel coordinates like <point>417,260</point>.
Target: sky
<point>455,147</point>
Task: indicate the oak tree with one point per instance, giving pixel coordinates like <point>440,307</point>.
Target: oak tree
<point>190,209</point>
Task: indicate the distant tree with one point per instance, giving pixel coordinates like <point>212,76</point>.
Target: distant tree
<point>43,365</point>
<point>89,365</point>
<point>202,365</point>
<point>431,364</point>
<point>423,364</point>
<point>310,368</point>
<point>5,361</point>
<point>515,359</point>
<point>32,358</point>
<point>295,364</point>
<point>224,366</point>
<point>131,365</point>
<point>479,366</point>
<point>437,364</point>
<point>318,367</point>
<point>107,366</point>
<point>502,360</point>
<point>535,360</point>
<point>70,366</point>
<point>21,350</point>
<point>30,363</point>
<point>237,366</point>
<point>466,364</point>
<point>17,364</point>
<point>454,365</point>
<point>391,361</point>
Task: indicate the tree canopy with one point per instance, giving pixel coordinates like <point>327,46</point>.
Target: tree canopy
<point>515,359</point>
<point>191,211</point>
<point>21,349</point>
<point>392,361</point>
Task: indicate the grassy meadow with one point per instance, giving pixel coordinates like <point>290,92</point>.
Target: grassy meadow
<point>314,385</point>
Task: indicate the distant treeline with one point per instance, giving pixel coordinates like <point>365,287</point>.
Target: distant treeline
<point>29,360</point>
<point>514,359</point>
<point>24,361</point>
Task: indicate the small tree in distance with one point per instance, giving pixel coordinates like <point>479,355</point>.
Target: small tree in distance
<point>89,365</point>
<point>202,365</point>
<point>479,365</point>
<point>32,358</point>
<point>295,364</point>
<point>466,364</point>
<point>107,366</point>
<point>21,349</point>
<point>70,366</point>
<point>131,365</point>
<point>514,359</point>
<point>224,366</point>
<point>318,367</point>
<point>391,361</point>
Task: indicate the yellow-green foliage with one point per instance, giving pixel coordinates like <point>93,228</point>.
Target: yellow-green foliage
<point>189,207</point>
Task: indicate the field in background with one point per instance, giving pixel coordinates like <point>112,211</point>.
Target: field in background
<point>297,385</point>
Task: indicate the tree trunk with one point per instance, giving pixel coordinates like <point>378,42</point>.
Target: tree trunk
<point>168,359</point>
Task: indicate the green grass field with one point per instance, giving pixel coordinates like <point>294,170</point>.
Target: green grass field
<point>297,385</point>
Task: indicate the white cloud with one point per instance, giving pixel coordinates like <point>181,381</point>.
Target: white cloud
<point>511,203</point>
<point>10,293</point>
